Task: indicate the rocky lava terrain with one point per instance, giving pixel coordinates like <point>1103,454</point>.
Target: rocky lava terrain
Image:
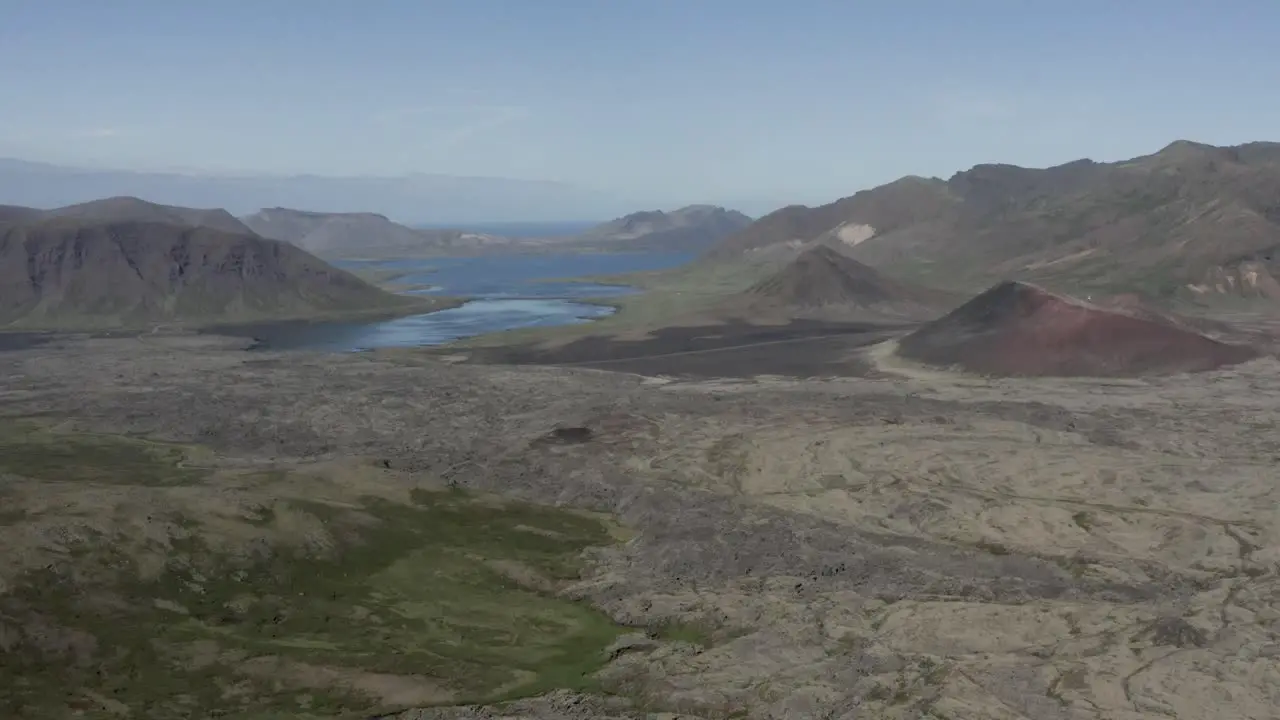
<point>901,544</point>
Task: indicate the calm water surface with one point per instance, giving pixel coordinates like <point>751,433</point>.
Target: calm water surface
<point>523,276</point>
<point>509,292</point>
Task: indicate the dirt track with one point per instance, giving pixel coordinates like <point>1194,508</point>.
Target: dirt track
<point>886,546</point>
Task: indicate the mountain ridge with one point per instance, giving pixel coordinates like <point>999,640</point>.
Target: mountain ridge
<point>1172,223</point>
<point>409,198</point>
<point>127,207</point>
<point>692,228</point>
<point>362,234</point>
<point>73,271</point>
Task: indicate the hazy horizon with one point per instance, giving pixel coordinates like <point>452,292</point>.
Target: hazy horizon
<point>628,105</point>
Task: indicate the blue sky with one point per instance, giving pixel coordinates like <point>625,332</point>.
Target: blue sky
<point>749,103</point>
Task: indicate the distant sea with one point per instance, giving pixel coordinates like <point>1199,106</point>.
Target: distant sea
<point>516,229</point>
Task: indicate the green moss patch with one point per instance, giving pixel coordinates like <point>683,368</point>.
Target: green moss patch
<point>35,452</point>
<point>448,599</point>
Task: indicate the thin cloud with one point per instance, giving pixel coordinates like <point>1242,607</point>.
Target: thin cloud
<point>460,135</point>
<point>446,126</point>
<point>17,137</point>
<point>445,111</point>
<point>55,134</point>
<point>100,133</point>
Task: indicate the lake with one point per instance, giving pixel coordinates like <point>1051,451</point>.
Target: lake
<point>506,291</point>
<point>522,276</point>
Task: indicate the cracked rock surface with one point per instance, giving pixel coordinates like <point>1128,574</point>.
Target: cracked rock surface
<point>902,545</point>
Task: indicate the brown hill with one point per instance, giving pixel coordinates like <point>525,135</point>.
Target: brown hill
<point>823,279</point>
<point>900,204</point>
<point>1019,329</point>
<point>1142,307</point>
<point>68,273</point>
<point>364,234</point>
<point>132,209</point>
<point>11,214</point>
<point>1192,220</point>
<point>693,228</point>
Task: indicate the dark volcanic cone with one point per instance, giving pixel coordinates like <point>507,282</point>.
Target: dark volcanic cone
<point>1141,307</point>
<point>1019,329</point>
<point>823,278</point>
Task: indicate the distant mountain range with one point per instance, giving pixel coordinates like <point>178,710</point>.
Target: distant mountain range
<point>1191,220</point>
<point>125,262</point>
<point>689,229</point>
<point>122,262</point>
<point>366,235</point>
<point>366,230</point>
<point>418,198</point>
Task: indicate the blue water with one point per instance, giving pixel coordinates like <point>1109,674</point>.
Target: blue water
<point>507,292</point>
<point>524,276</point>
<point>474,318</point>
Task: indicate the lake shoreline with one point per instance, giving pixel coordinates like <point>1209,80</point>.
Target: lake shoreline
<point>486,296</point>
<point>449,325</point>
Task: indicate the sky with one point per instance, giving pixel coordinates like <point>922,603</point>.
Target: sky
<point>744,103</point>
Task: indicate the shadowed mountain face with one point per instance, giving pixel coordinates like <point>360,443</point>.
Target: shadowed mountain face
<point>1192,219</point>
<point>10,214</point>
<point>70,273</point>
<point>822,278</point>
<point>361,234</point>
<point>689,229</point>
<point>1019,329</point>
